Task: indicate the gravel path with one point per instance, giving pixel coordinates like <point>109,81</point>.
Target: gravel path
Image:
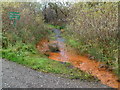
<point>18,76</point>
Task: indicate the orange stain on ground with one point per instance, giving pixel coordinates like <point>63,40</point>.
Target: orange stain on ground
<point>81,62</point>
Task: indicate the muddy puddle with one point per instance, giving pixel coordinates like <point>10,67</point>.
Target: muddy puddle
<point>82,62</point>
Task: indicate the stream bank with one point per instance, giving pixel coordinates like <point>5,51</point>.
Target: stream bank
<point>81,62</point>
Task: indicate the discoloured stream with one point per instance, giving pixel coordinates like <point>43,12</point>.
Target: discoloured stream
<point>81,62</point>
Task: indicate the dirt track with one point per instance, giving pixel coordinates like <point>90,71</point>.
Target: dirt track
<point>18,76</point>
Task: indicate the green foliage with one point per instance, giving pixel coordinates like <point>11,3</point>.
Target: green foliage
<point>29,56</point>
<point>55,26</point>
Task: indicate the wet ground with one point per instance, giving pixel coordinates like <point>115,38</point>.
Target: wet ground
<point>81,62</point>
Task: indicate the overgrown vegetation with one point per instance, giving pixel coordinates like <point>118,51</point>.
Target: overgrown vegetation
<point>19,41</point>
<point>92,29</point>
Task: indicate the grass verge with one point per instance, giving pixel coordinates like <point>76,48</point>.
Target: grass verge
<point>28,55</point>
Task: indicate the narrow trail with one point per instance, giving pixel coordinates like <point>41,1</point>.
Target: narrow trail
<point>81,62</point>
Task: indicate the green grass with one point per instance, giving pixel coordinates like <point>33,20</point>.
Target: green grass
<point>55,26</point>
<point>27,55</point>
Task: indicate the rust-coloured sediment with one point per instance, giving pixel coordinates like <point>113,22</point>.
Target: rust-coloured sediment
<point>81,62</point>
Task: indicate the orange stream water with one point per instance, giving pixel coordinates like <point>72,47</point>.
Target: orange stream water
<point>81,62</point>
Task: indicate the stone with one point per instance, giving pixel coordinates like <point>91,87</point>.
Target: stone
<point>102,66</point>
<point>54,47</point>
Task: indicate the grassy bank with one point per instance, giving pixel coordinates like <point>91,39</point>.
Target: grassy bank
<point>27,55</point>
